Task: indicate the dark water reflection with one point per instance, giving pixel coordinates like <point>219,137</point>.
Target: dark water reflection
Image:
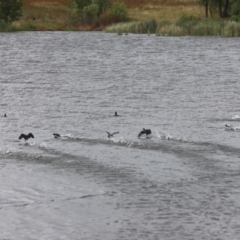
<point>182,183</point>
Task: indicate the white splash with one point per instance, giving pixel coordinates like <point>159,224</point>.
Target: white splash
<point>229,127</point>
<point>236,117</point>
<point>43,145</point>
<point>8,150</point>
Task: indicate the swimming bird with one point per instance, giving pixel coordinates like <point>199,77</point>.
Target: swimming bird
<point>145,131</point>
<point>229,127</point>
<point>5,115</point>
<point>56,135</point>
<point>110,135</point>
<point>26,137</point>
<point>116,115</point>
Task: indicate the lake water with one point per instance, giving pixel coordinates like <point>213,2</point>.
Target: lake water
<point>182,182</point>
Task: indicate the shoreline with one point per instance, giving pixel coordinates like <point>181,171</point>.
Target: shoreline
<point>172,18</point>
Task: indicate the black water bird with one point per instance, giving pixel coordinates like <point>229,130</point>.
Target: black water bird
<point>56,135</point>
<point>26,137</point>
<point>229,127</point>
<point>116,115</point>
<point>110,135</point>
<point>145,131</point>
<point>5,115</point>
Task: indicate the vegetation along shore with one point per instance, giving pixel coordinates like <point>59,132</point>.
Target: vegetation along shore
<point>160,17</point>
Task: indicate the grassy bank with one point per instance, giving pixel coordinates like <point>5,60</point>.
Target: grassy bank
<point>141,10</point>
<point>53,14</point>
<point>44,15</point>
<point>185,26</point>
<point>160,17</point>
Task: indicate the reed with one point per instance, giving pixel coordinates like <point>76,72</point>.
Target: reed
<point>149,26</point>
<point>170,30</point>
<point>6,27</point>
<point>208,28</point>
<point>126,27</point>
<point>193,27</point>
<point>231,29</point>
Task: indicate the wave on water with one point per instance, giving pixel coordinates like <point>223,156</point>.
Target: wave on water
<point>158,141</point>
<point>229,127</point>
<point>163,142</point>
<point>127,142</point>
<point>7,150</point>
<point>236,117</point>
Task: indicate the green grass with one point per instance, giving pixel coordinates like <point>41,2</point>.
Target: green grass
<point>160,17</point>
<point>53,14</point>
<point>6,27</point>
<point>194,27</point>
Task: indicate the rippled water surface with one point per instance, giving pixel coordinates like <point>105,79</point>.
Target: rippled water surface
<point>182,182</point>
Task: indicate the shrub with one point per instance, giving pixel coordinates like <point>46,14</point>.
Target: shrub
<point>26,27</point>
<point>6,26</point>
<point>234,18</point>
<point>119,10</point>
<point>232,29</point>
<point>102,4</point>
<point>10,10</point>
<point>235,8</point>
<point>90,13</point>
<point>207,27</point>
<point>116,13</point>
<point>74,13</point>
<point>81,4</point>
<point>149,26</point>
<point>187,23</point>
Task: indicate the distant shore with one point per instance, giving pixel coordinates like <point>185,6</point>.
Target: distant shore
<point>171,18</point>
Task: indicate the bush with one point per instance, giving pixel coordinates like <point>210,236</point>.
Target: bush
<point>10,10</point>
<point>6,26</point>
<point>149,26</point>
<point>119,10</point>
<point>26,27</point>
<point>187,23</point>
<point>102,4</point>
<point>235,8</point>
<point>90,13</point>
<point>74,13</point>
<point>94,11</point>
<point>81,4</point>
<point>207,27</point>
<point>116,13</point>
<point>234,18</point>
<point>232,29</point>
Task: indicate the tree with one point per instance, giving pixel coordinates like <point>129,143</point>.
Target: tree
<point>235,8</point>
<point>103,5</point>
<point>223,7</point>
<point>205,3</point>
<point>82,3</point>
<point>220,6</point>
<point>97,13</point>
<point>10,10</point>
